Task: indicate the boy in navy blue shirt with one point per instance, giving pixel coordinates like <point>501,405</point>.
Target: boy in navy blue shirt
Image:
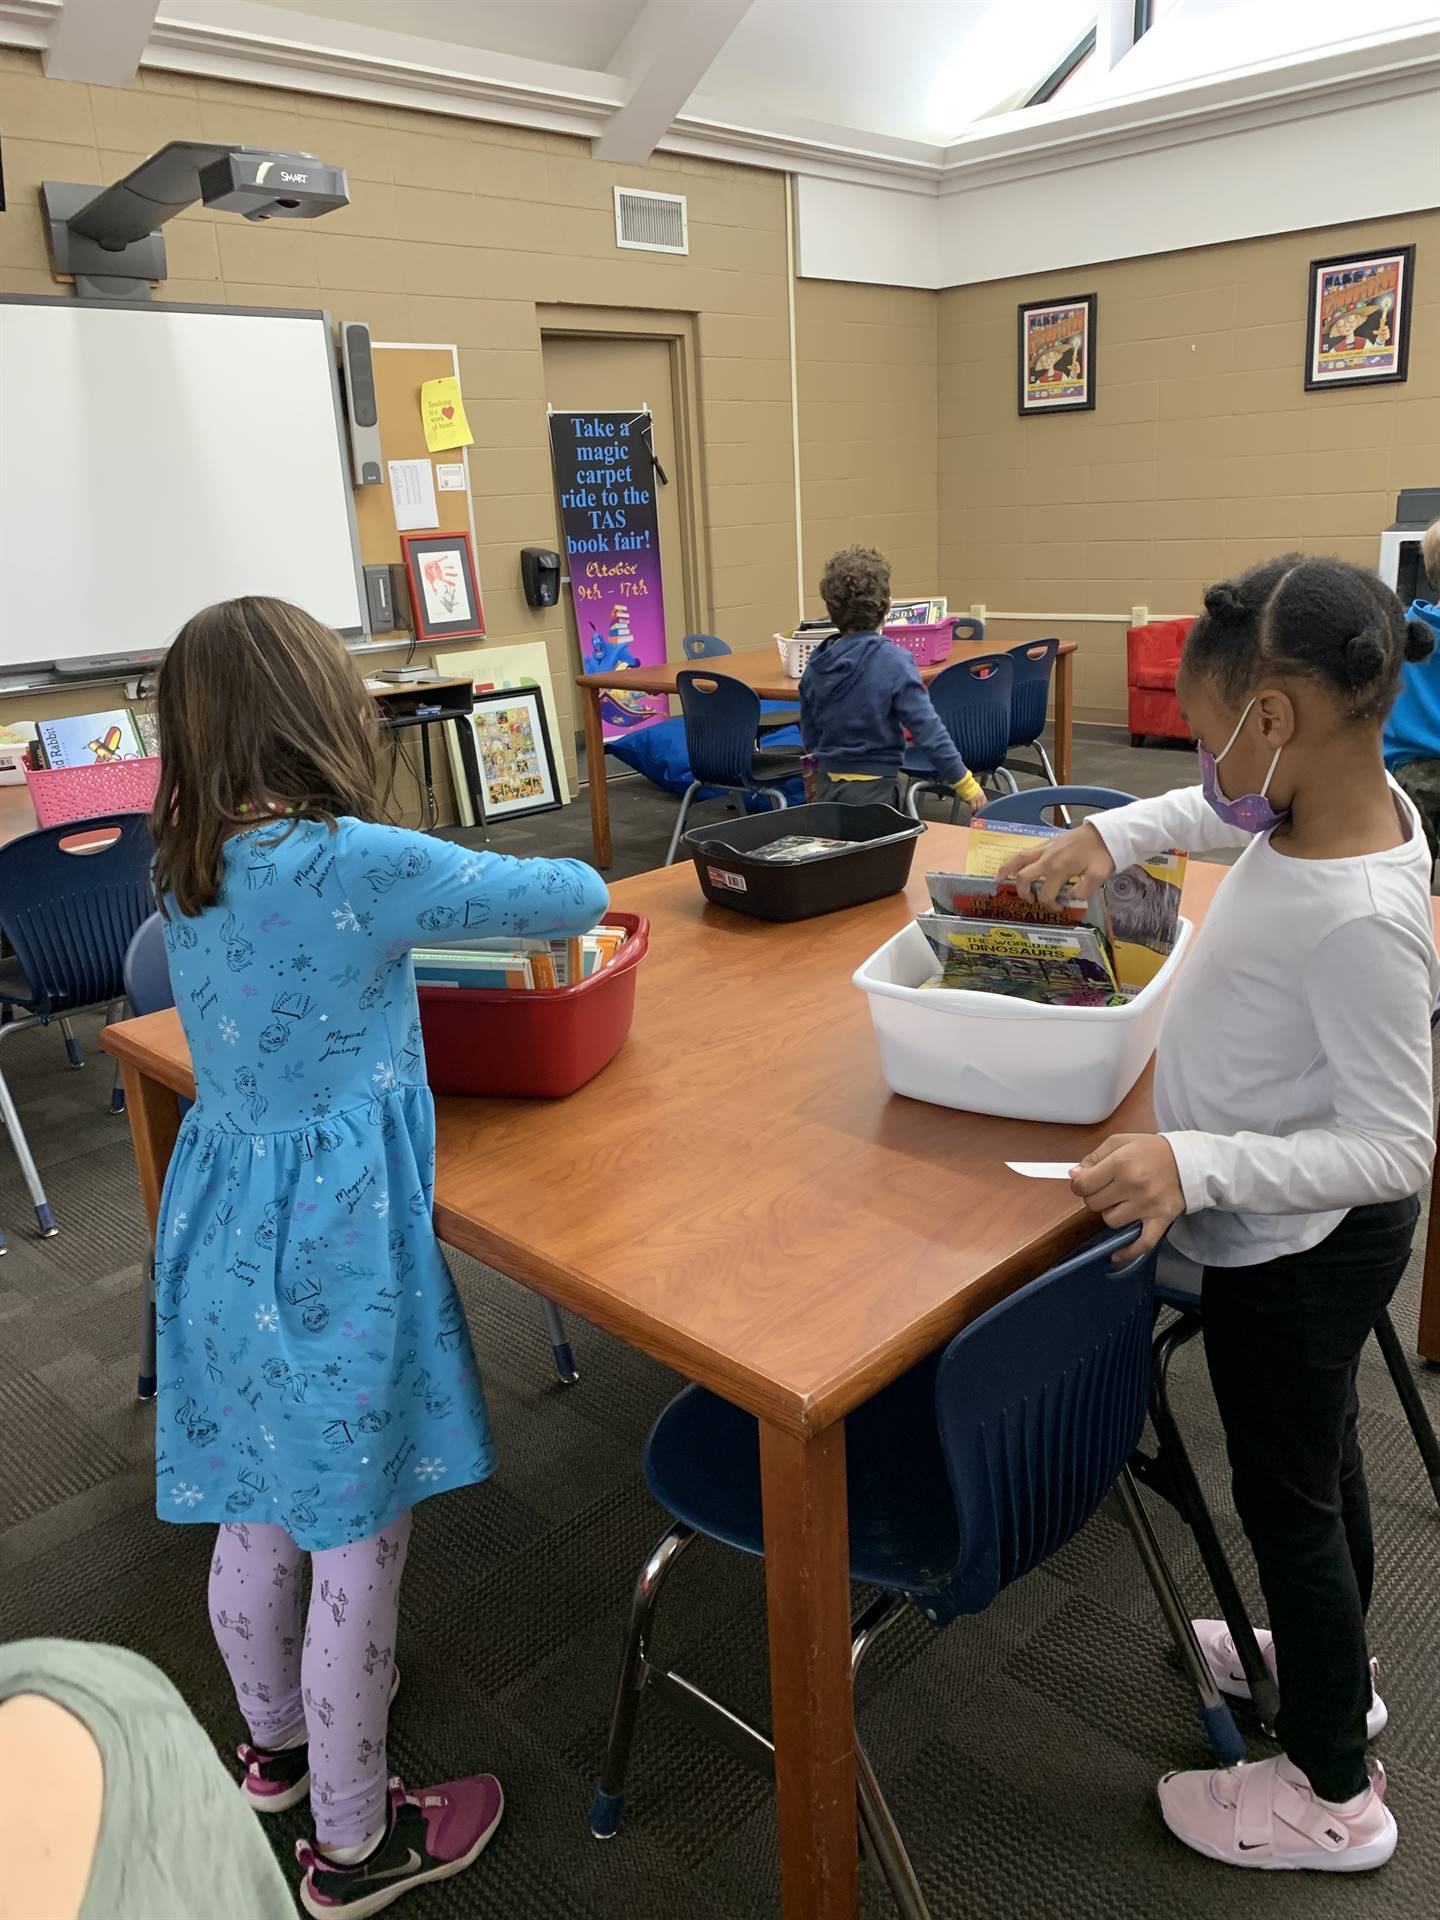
<point>860,691</point>
<point>1412,733</point>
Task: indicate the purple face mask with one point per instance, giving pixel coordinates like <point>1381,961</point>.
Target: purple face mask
<point>1252,812</point>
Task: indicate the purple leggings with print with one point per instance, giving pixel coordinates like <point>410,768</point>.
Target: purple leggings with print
<point>335,1689</point>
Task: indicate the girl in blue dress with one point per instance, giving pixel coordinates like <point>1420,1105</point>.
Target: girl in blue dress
<point>316,1373</point>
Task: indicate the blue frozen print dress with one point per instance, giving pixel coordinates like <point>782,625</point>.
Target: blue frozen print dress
<point>315,1363</point>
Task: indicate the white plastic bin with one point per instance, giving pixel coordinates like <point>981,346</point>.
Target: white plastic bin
<point>985,1053</point>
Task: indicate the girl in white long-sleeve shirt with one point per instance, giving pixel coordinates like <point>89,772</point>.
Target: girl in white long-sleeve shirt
<point>1293,1098</point>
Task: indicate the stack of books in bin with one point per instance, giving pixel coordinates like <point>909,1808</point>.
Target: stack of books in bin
<point>520,963</point>
<point>988,936</point>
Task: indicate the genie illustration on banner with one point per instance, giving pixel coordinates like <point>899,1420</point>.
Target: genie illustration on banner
<point>606,480</point>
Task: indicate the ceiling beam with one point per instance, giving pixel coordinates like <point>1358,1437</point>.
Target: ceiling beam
<point>100,41</point>
<point>665,55</point>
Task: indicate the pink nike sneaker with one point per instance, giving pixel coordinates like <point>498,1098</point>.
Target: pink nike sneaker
<point>431,1835</point>
<point>1221,1656</point>
<point>1267,1815</point>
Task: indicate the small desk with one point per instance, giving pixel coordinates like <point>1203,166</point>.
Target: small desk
<point>793,1256</point>
<point>397,702</point>
<point>760,668</point>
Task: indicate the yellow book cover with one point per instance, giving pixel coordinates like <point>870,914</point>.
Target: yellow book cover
<point>992,842</point>
<point>1142,912</point>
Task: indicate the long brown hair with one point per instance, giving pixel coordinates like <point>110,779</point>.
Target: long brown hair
<point>261,714</point>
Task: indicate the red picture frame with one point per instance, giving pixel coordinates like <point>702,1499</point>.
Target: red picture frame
<point>444,589</point>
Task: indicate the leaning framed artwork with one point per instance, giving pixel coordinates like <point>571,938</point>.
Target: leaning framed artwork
<point>517,762</point>
<point>1057,355</point>
<point>444,593</point>
<point>1357,330</point>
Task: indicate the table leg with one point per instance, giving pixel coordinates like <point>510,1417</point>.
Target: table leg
<point>595,773</point>
<point>807,1588</point>
<point>1428,1342</point>
<point>154,1114</point>
<point>1064,717</point>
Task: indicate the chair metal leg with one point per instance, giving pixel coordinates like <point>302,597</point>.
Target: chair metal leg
<point>116,1011</point>
<point>1220,1728</point>
<point>72,1045</point>
<point>912,799</point>
<point>877,1823</point>
<point>1178,1482</point>
<point>566,1370</point>
<point>1045,763</point>
<point>609,1801</point>
<point>1012,785</point>
<point>690,792</point>
<point>1415,1409</point>
<point>29,1172</point>
<point>781,803</point>
<point>145,1384</point>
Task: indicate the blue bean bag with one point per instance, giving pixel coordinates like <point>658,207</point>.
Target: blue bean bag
<point>659,753</point>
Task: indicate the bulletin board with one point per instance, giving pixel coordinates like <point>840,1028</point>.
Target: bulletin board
<point>399,370</point>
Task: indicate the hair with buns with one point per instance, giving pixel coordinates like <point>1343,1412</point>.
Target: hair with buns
<point>1311,618</point>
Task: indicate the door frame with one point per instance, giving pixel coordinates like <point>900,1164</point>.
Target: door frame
<point>676,333</point>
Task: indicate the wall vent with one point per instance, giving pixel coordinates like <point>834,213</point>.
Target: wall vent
<point>653,222</point>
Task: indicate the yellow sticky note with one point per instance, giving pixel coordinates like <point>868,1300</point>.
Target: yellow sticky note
<point>443,412</point>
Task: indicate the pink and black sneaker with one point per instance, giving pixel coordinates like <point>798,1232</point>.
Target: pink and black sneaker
<point>278,1778</point>
<point>432,1835</point>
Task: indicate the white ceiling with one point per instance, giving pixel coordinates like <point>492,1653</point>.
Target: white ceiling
<point>906,90</point>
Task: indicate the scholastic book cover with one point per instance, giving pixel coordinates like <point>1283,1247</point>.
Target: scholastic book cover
<point>992,842</point>
<point>1058,966</point>
<point>1142,913</point>
<point>89,739</point>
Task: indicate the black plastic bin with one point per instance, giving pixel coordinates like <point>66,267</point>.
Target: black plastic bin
<point>877,861</point>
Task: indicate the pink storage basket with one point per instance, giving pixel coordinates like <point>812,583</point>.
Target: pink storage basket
<point>930,644</point>
<point>77,793</point>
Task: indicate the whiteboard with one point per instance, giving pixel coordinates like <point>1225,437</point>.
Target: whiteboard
<point>156,459</point>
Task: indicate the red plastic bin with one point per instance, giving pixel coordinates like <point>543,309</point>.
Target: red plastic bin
<point>537,1044</point>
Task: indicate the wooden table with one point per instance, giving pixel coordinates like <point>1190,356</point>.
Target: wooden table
<point>760,668</point>
<point>740,1196</point>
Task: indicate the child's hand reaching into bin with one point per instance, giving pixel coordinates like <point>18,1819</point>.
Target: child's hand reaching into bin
<point>1078,861</point>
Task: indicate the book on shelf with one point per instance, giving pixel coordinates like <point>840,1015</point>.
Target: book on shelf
<point>1058,966</point>
<point>523,963</point>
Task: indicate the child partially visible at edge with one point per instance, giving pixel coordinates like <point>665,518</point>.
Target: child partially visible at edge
<point>859,691</point>
<point>1412,733</point>
<point>1293,1097</point>
<point>316,1374</point>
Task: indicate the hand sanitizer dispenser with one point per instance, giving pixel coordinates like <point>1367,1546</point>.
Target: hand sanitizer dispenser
<point>540,575</point>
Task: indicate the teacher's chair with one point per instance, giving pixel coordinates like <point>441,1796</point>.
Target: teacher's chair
<point>71,897</point>
<point>963,1475</point>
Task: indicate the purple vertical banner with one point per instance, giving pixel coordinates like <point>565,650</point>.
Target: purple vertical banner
<point>605,477</point>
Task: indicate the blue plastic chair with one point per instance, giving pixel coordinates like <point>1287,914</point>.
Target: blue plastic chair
<point>963,1475</point>
<point>722,718</point>
<point>972,699</point>
<point>1033,805</point>
<point>1034,665</point>
<point>70,899</point>
<point>709,646</point>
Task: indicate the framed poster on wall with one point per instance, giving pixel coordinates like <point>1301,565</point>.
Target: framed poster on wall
<point>1057,355</point>
<point>444,593</point>
<point>1357,330</point>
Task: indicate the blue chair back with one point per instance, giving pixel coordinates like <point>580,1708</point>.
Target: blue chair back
<point>703,646</point>
<point>1035,804</point>
<point>69,912</point>
<point>968,627</point>
<point>972,699</point>
<point>147,969</point>
<point>722,717</point>
<point>1034,663</point>
<point>1040,1404</point>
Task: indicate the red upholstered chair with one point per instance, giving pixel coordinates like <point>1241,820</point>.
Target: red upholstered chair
<point>1153,657</point>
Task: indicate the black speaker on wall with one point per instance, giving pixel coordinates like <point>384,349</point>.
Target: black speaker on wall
<point>358,369</point>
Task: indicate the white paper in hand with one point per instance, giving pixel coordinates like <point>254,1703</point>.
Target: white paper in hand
<point>1041,1169</point>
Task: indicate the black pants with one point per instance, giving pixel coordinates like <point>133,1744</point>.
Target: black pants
<point>859,793</point>
<point>1283,1341</point>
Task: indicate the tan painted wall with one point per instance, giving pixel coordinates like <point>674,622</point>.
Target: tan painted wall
<point>457,231</point>
<point>868,383</point>
<point>1204,452</point>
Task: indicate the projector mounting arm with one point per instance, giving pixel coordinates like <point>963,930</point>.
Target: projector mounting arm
<point>109,238</point>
